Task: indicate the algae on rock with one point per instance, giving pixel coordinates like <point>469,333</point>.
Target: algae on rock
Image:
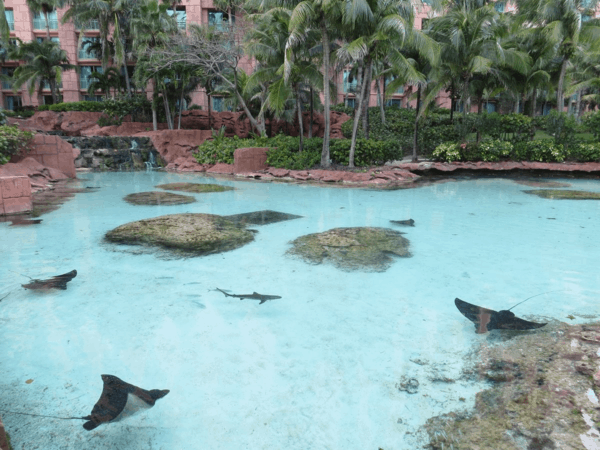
<point>158,198</point>
<point>541,401</point>
<point>196,188</point>
<point>566,194</point>
<point>195,234</point>
<point>352,249</point>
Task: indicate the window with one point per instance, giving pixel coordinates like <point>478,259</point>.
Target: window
<point>89,25</point>
<point>180,15</point>
<point>424,23</point>
<point>86,76</point>
<point>217,104</point>
<point>47,99</point>
<point>391,78</point>
<point>220,20</point>
<point>350,82</point>
<point>397,102</point>
<point>490,107</point>
<point>10,19</point>
<point>351,102</point>
<point>53,39</point>
<point>90,48</point>
<point>499,6</point>
<point>93,98</point>
<point>12,102</point>
<point>39,21</point>
<point>7,71</point>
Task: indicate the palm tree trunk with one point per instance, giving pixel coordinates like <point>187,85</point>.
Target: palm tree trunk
<point>365,119</point>
<point>154,100</point>
<point>53,91</point>
<point>415,157</point>
<point>452,106</point>
<point>300,121</point>
<point>361,99</point>
<point>381,97</point>
<point>560,99</point>
<point>312,107</point>
<point>209,111</point>
<point>578,110</point>
<point>259,124</point>
<point>479,109</point>
<point>533,102</point>
<point>180,103</point>
<point>326,95</point>
<point>167,110</point>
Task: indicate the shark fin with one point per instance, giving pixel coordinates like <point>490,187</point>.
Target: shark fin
<point>262,301</point>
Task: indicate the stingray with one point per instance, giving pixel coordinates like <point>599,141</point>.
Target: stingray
<point>57,282</point>
<point>487,319</point>
<point>117,401</point>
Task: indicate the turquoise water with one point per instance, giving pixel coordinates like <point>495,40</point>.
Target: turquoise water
<point>318,368</point>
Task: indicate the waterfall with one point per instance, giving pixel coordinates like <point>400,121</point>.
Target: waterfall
<point>151,163</point>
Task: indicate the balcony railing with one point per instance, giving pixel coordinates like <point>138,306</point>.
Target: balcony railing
<point>40,23</point>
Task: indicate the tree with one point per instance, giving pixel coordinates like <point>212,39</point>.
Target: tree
<point>562,22</point>
<point>45,7</point>
<point>104,82</point>
<point>44,62</point>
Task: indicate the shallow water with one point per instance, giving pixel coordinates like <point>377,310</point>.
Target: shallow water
<point>317,368</point>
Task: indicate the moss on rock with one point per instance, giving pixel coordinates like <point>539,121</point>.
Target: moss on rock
<point>541,402</point>
<point>158,198</point>
<point>543,183</point>
<point>196,234</point>
<point>196,188</point>
<point>566,194</point>
<point>352,249</point>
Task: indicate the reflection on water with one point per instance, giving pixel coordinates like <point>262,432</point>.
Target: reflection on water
<point>342,360</point>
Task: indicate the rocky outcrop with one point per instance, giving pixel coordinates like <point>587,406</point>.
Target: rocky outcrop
<point>39,175</point>
<point>192,234</point>
<point>52,152</point>
<point>158,198</point>
<point>195,188</point>
<point>175,144</point>
<point>366,249</point>
<point>250,160</point>
<point>504,166</point>
<point>15,195</point>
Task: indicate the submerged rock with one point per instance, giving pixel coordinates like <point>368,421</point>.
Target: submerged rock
<point>261,217</point>
<point>197,188</point>
<point>542,394</point>
<point>158,198</point>
<point>566,194</point>
<point>543,183</point>
<point>196,234</point>
<point>362,248</point>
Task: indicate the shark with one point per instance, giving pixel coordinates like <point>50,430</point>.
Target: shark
<point>254,296</point>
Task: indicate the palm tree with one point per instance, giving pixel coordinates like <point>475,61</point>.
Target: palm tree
<point>471,43</point>
<point>45,7</point>
<point>562,22</point>
<point>104,82</point>
<point>44,62</point>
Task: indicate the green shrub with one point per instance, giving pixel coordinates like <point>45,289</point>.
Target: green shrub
<point>105,121</point>
<point>494,150</point>
<point>368,152</point>
<point>194,106</point>
<point>76,106</point>
<point>287,156</point>
<point>543,150</point>
<point>13,141</point>
<point>340,107</point>
<point>585,152</point>
<point>562,127</point>
<point>447,152</point>
<point>138,106</point>
<point>591,121</point>
<point>44,108</point>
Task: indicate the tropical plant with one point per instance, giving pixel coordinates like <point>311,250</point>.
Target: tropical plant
<point>44,63</point>
<point>104,82</point>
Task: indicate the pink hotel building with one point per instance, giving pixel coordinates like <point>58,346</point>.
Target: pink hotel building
<point>27,26</point>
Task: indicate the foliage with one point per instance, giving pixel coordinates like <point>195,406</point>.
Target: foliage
<point>138,106</point>
<point>20,114</point>
<point>3,116</point>
<point>74,106</point>
<point>193,106</point>
<point>12,141</point>
<point>562,126</point>
<point>592,122</point>
<point>368,151</point>
<point>587,152</point>
<point>342,108</point>
<point>447,152</point>
<point>543,150</point>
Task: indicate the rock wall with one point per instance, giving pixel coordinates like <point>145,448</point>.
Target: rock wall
<point>115,153</point>
<point>53,152</point>
<point>15,195</point>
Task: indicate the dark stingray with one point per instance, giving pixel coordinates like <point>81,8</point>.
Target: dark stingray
<point>57,282</point>
<point>119,400</point>
<point>487,319</point>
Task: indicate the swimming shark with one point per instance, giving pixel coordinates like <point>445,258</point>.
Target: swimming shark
<point>253,296</point>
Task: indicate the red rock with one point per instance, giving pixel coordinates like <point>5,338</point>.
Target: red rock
<point>249,159</point>
<point>75,121</point>
<point>299,175</point>
<point>17,205</point>
<point>172,144</point>
<point>333,176</point>
<point>3,439</point>
<point>14,187</point>
<point>352,177</point>
<point>221,168</point>
<point>256,175</point>
<point>278,172</point>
